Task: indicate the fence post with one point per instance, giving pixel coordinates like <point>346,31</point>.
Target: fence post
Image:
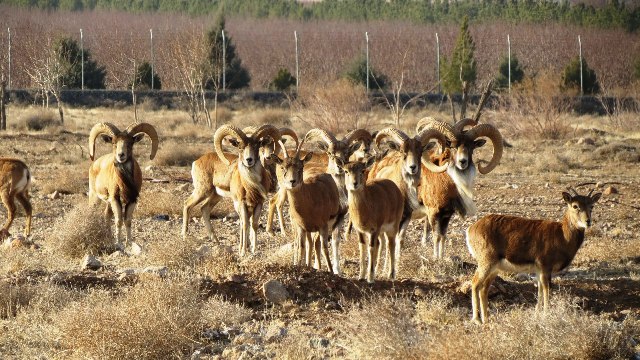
<point>509,59</point>
<point>153,61</point>
<point>295,35</point>
<point>224,62</point>
<point>9,70</point>
<point>366,35</point>
<point>438,62</point>
<point>82,60</point>
<point>581,80</point>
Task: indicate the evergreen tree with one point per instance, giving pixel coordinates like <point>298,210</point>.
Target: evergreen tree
<point>517,73</point>
<point>70,57</point>
<point>636,69</point>
<point>571,77</point>
<point>462,66</point>
<point>283,80</point>
<point>357,73</point>
<point>236,75</point>
<point>143,78</point>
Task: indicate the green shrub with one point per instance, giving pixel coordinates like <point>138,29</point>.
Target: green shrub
<point>283,80</point>
<point>143,77</point>
<point>517,73</point>
<point>357,73</point>
<point>571,77</point>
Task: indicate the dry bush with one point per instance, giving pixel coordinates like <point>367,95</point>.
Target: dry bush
<point>218,313</point>
<point>171,154</point>
<point>36,119</point>
<point>537,108</point>
<point>219,263</point>
<point>177,255</point>
<point>438,310</point>
<point>562,332</point>
<point>154,202</point>
<point>617,152</point>
<point>13,298</point>
<point>66,180</point>
<point>155,319</point>
<point>336,107</point>
<point>298,346</point>
<point>83,230</point>
<point>382,328</point>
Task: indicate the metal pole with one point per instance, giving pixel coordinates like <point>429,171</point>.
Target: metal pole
<point>438,62</point>
<point>9,31</point>
<point>152,59</point>
<point>581,80</point>
<point>82,60</point>
<point>224,62</point>
<point>295,35</point>
<point>509,44</point>
<point>366,35</point>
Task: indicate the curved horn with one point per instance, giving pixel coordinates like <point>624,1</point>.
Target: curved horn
<point>441,126</point>
<point>396,135</point>
<point>267,130</point>
<point>496,139</point>
<point>458,127</point>
<point>290,133</point>
<point>97,129</point>
<point>224,131</point>
<point>322,134</point>
<point>284,149</point>
<point>424,121</point>
<point>572,191</point>
<point>148,129</point>
<point>424,137</point>
<point>358,135</point>
<point>590,192</point>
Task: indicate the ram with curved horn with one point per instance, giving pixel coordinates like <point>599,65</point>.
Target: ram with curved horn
<point>404,165</point>
<point>241,177</point>
<point>116,178</point>
<point>444,193</point>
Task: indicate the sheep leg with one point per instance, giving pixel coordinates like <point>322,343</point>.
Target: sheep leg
<point>28,209</point>
<point>308,248</point>
<point>362,246</point>
<point>443,225</point>
<point>255,221</point>
<point>425,232</point>
<point>298,246</point>
<point>244,228</point>
<point>128,215</point>
<point>324,242</point>
<point>195,198</point>
<point>7,200</point>
<point>544,279</point>
<point>391,254</point>
<point>335,245</point>
<point>270,211</point>
<point>374,247</point>
<point>116,208</point>
<point>317,246</point>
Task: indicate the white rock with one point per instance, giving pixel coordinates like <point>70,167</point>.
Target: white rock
<point>91,263</point>
<point>275,292</point>
<point>54,195</point>
<point>183,187</point>
<point>161,271</point>
<point>136,249</point>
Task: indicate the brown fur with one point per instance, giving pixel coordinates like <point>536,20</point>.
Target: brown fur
<point>12,173</point>
<point>510,243</point>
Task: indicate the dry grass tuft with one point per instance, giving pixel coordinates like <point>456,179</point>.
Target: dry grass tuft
<point>218,313</point>
<point>220,263</point>
<point>36,119</point>
<point>172,154</point>
<point>154,202</point>
<point>383,328</point>
<point>13,298</point>
<point>618,152</point>
<point>175,254</point>
<point>66,181</point>
<point>438,310</point>
<point>155,319</point>
<point>83,230</point>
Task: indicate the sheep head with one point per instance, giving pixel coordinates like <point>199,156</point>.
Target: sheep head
<point>412,148</point>
<point>248,146</point>
<point>122,141</point>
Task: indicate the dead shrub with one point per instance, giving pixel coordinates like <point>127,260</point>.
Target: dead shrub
<point>220,263</point>
<point>153,202</point>
<point>438,310</point>
<point>83,230</point>
<point>218,313</point>
<point>382,328</point>
<point>177,155</point>
<point>65,181</point>
<point>13,298</point>
<point>337,107</point>
<point>618,152</point>
<point>177,255</point>
<point>155,319</point>
<point>37,119</point>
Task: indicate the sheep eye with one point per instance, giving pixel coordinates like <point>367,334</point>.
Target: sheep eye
<point>575,206</point>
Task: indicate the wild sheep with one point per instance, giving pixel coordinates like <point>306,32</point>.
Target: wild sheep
<point>515,244</point>
<point>314,206</point>
<point>445,193</point>
<point>15,180</point>
<point>116,178</point>
<point>375,208</point>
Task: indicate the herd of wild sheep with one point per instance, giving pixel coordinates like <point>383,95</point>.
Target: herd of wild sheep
<point>430,175</point>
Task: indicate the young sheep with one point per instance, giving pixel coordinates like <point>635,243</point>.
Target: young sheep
<point>15,180</point>
<point>515,244</point>
<point>314,206</point>
<point>375,208</point>
<point>116,178</point>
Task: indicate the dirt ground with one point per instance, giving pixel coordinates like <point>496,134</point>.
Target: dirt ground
<point>604,279</point>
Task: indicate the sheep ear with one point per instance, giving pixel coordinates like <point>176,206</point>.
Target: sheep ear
<point>567,197</point>
<point>340,163</point>
<point>233,142</point>
<point>353,147</point>
<point>307,157</point>
<point>138,137</point>
<point>479,143</point>
<point>322,146</point>
<point>276,159</point>
<point>106,138</point>
<point>595,197</point>
<point>370,161</point>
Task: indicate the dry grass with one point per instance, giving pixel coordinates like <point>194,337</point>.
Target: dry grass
<point>36,119</point>
<point>155,319</point>
<point>618,152</point>
<point>256,117</point>
<point>83,230</point>
<point>65,180</point>
<point>220,263</point>
<point>156,202</point>
<point>13,298</point>
<point>219,313</point>
<point>173,154</point>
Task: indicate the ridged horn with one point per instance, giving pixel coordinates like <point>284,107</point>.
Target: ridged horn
<point>290,133</point>
<point>396,135</point>
<point>422,122</point>
<point>148,129</point>
<point>284,149</point>
<point>324,135</point>
<point>496,139</point>
<point>267,130</point>
<point>424,137</point>
<point>97,129</point>
<point>441,126</point>
<point>458,127</point>
<point>358,135</point>
<point>224,131</point>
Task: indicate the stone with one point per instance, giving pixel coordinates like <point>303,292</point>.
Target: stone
<point>54,195</point>
<point>610,190</point>
<point>91,263</point>
<point>274,291</point>
<point>136,249</point>
<point>319,343</point>
<point>183,187</point>
<point>275,333</point>
<point>202,252</point>
<point>161,271</point>
<point>161,217</point>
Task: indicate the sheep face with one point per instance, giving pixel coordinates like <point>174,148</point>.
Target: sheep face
<point>579,208</point>
<point>122,145</point>
<point>292,169</point>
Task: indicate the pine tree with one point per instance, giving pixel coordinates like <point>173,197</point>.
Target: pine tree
<point>462,66</point>
<point>143,78</point>
<point>356,72</point>
<point>517,73</point>
<point>70,57</point>
<point>236,75</point>
<point>571,77</point>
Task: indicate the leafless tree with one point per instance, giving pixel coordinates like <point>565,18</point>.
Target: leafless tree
<point>46,70</point>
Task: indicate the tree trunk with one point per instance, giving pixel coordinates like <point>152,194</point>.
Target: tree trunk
<point>215,109</point>
<point>56,94</point>
<point>3,111</point>
<point>204,106</point>
<point>134,98</point>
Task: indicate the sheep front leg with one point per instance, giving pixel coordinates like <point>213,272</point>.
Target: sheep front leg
<point>128,215</point>
<point>244,228</point>
<point>255,222</point>
<point>116,208</point>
